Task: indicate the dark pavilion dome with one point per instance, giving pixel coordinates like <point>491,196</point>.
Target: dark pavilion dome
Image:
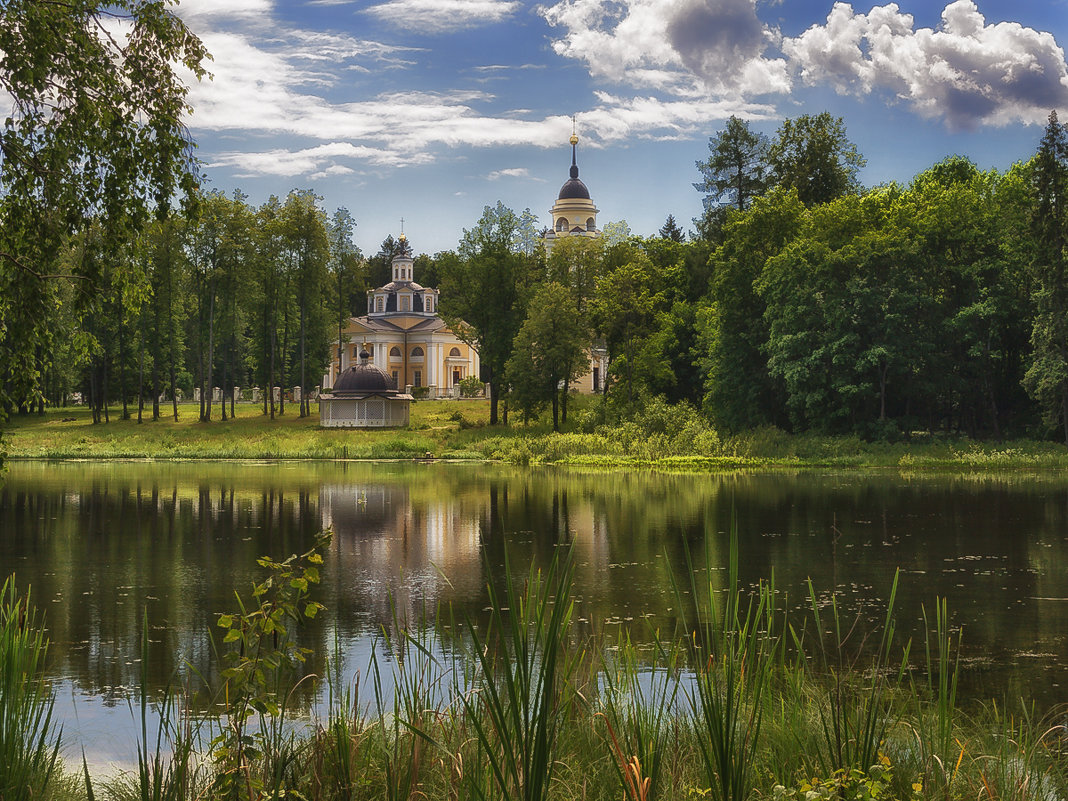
<point>365,377</point>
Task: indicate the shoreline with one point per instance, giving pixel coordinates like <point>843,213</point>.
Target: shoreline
<point>457,431</point>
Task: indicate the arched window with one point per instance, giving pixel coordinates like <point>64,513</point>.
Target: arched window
<point>428,303</point>
<point>394,352</point>
<point>417,352</point>
<point>405,302</point>
<point>561,224</point>
<point>454,352</point>
<point>591,224</point>
<point>380,303</point>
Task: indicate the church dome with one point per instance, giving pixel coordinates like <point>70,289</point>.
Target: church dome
<point>574,188</point>
<point>364,377</point>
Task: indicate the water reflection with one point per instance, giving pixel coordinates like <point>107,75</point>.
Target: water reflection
<point>105,544</point>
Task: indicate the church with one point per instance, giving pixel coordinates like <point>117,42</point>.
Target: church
<point>403,335</point>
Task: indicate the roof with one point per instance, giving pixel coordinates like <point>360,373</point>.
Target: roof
<point>573,188</point>
<point>365,378</point>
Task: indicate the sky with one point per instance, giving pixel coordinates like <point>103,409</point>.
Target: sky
<point>430,110</point>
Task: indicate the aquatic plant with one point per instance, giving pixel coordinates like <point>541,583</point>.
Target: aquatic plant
<point>29,738</point>
<point>517,705</point>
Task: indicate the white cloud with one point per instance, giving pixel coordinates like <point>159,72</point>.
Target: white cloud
<point>315,161</point>
<point>687,48</point>
<point>966,71</point>
<point>222,9</point>
<point>513,172</point>
<point>443,16</point>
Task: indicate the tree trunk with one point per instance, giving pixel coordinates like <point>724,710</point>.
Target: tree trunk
<point>205,395</point>
<point>141,377</point>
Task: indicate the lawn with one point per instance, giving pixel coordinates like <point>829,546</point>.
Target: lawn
<point>70,434</point>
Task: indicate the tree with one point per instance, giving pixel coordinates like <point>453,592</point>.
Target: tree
<point>813,155</point>
<point>346,271</point>
<point>736,168</point>
<point>1047,377</point>
<point>549,352</point>
<point>623,310</point>
<point>95,132</point>
<point>307,248</point>
<point>671,231</point>
<point>484,293</point>
<point>731,330</point>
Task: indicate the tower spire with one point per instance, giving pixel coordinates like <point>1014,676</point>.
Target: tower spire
<point>574,143</point>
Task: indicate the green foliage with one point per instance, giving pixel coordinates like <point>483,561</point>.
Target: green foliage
<point>549,352</point>
<point>95,137</point>
<point>874,784</point>
<point>484,293</point>
<point>736,169</point>
<point>29,739</point>
<point>853,707</point>
<point>471,387</point>
<point>522,694</point>
<point>1047,375</point>
<point>733,650</point>
<point>262,655</point>
<point>812,155</point>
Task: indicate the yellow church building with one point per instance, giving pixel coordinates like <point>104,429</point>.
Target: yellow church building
<point>404,336</point>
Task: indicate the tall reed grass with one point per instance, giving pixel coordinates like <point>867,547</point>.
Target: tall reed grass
<point>735,704</point>
<point>29,737</point>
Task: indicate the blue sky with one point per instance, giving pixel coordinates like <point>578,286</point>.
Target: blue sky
<point>432,109</point>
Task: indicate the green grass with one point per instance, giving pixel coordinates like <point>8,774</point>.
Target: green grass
<point>668,439</point>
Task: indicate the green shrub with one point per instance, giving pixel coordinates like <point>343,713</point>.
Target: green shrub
<point>471,387</point>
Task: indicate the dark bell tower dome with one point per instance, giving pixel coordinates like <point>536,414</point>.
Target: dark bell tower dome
<point>574,189</point>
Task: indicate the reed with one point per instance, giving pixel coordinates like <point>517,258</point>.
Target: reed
<point>733,649</point>
<point>639,704</point>
<point>29,738</point>
<point>522,672</point>
<point>855,687</point>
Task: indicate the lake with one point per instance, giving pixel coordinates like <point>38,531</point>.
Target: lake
<point>103,544</point>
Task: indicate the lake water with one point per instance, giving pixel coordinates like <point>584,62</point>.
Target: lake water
<point>101,544</point>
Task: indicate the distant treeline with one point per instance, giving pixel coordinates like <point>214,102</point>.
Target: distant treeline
<point>804,301</point>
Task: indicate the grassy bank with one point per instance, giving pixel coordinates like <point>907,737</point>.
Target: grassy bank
<point>740,704</point>
<point>664,438</point>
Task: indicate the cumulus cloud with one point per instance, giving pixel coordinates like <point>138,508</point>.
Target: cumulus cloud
<point>965,71</point>
<point>688,48</point>
<point>443,16</point>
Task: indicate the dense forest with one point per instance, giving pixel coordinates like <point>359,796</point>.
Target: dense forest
<point>803,300</point>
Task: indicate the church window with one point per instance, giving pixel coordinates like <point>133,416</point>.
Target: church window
<point>429,304</point>
<point>394,378</point>
<point>405,302</point>
<point>417,381</point>
<point>561,224</point>
<point>591,224</point>
<point>394,352</point>
<point>417,352</point>
<point>454,352</point>
<point>380,303</point>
